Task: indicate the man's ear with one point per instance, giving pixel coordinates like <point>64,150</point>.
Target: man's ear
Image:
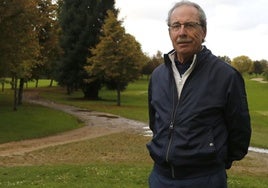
<point>204,34</point>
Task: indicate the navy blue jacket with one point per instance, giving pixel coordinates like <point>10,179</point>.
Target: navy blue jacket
<point>207,128</point>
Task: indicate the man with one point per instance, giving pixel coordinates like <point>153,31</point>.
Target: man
<point>198,109</point>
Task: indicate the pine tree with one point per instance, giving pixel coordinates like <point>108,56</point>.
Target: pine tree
<point>81,21</point>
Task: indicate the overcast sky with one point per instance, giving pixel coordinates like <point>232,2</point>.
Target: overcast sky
<point>235,28</point>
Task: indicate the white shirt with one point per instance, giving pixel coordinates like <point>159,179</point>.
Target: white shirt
<point>180,79</point>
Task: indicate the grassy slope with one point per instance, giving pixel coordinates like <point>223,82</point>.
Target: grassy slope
<point>258,105</point>
<point>31,121</point>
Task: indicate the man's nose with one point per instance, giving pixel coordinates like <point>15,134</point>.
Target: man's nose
<point>182,30</point>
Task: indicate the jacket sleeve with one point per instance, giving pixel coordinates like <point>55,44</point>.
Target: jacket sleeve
<point>150,107</point>
<point>237,119</point>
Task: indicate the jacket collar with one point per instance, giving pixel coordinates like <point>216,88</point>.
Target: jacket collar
<point>199,56</point>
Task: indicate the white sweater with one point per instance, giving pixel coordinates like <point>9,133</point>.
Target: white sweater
<point>180,79</point>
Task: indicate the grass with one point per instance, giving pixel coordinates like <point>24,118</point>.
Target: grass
<point>31,121</point>
<point>55,121</point>
<point>258,105</point>
<point>31,83</point>
<point>246,181</point>
<point>133,100</point>
<point>121,160</point>
<point>97,176</point>
<point>114,161</point>
<point>76,176</point>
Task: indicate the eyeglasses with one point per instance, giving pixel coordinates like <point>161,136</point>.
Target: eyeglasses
<point>187,26</point>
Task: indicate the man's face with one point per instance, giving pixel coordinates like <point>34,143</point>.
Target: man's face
<point>185,31</point>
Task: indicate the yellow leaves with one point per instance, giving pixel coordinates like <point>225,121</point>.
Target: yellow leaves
<point>242,64</point>
<point>19,35</point>
<point>118,56</point>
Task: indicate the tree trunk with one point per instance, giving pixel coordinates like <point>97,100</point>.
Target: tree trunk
<point>69,90</point>
<point>51,83</point>
<point>36,83</point>
<point>3,86</point>
<point>14,86</point>
<point>91,91</point>
<point>13,82</point>
<point>20,93</point>
<point>118,96</point>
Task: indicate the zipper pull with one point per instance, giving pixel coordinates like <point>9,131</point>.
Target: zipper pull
<point>171,128</point>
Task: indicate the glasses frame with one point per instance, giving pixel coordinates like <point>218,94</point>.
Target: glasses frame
<point>189,26</point>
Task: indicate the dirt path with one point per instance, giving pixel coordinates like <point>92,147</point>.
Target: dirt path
<point>261,80</point>
<point>96,124</point>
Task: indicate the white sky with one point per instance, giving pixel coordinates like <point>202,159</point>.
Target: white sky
<point>235,28</point>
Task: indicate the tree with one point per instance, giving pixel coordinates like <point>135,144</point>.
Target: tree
<point>243,64</point>
<point>265,73</point>
<point>264,64</point>
<point>259,66</point>
<point>80,22</point>
<point>16,32</point>
<point>18,41</point>
<point>225,59</point>
<point>152,63</point>
<point>48,35</point>
<point>117,59</point>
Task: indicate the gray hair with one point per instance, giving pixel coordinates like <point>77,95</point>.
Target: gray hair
<point>202,15</point>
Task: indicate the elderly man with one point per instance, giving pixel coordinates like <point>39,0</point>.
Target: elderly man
<point>198,109</point>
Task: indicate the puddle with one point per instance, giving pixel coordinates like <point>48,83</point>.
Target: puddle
<point>82,110</point>
<point>107,116</point>
<point>258,150</point>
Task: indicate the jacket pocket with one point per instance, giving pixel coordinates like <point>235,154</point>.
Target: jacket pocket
<point>191,147</point>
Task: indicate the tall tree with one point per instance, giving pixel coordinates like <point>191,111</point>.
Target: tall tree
<point>81,22</point>
<point>117,58</point>
<point>18,40</point>
<point>48,35</point>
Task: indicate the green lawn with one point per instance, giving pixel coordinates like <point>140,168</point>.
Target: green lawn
<point>31,121</point>
<point>133,100</point>
<point>258,106</point>
<point>114,161</point>
<point>76,176</point>
<point>29,84</point>
<point>97,176</point>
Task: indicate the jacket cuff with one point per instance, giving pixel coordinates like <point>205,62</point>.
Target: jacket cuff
<point>228,164</point>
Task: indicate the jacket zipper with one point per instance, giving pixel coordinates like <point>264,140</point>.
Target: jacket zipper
<point>171,130</point>
<point>171,125</point>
